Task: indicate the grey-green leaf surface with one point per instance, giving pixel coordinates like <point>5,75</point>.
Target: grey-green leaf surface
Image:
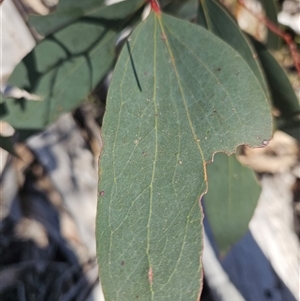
<point>217,19</point>
<point>69,11</point>
<point>283,95</point>
<point>178,95</point>
<point>232,196</point>
<point>62,70</point>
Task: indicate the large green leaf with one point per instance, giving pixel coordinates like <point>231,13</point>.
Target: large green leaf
<point>62,70</point>
<point>216,18</point>
<point>283,96</point>
<point>178,95</point>
<point>232,196</point>
<point>69,11</point>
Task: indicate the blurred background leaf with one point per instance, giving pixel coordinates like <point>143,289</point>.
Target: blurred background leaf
<point>284,99</point>
<point>68,11</point>
<point>232,196</point>
<point>64,68</point>
<point>271,10</point>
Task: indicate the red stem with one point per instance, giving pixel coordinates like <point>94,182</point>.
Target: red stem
<point>285,36</point>
<point>155,6</point>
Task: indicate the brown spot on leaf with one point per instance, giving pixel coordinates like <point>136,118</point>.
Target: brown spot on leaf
<point>150,275</point>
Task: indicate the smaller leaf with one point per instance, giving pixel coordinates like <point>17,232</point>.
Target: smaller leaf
<point>283,96</point>
<point>68,11</point>
<point>271,11</point>
<point>63,69</point>
<point>232,196</point>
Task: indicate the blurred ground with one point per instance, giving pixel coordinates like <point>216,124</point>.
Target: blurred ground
<point>49,194</point>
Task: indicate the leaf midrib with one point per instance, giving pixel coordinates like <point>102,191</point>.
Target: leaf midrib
<point>155,156</point>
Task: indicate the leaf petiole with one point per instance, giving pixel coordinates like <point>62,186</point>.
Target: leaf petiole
<point>155,6</point>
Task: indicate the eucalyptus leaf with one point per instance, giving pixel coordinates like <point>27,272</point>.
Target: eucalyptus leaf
<point>178,95</point>
<point>62,70</point>
<point>69,11</point>
<point>283,95</point>
<point>271,10</point>
<point>232,196</point>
